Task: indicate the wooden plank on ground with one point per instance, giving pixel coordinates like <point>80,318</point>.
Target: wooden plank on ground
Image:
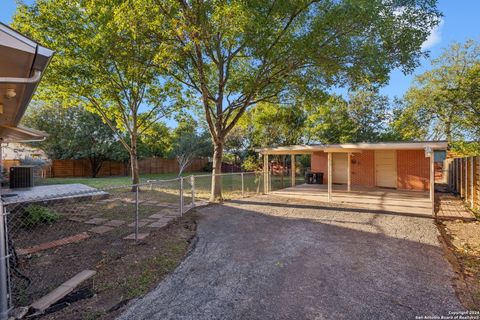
<point>54,296</point>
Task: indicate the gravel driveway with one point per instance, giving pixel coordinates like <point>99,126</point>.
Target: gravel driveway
<point>272,258</point>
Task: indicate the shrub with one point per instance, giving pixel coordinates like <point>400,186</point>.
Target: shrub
<point>208,167</point>
<point>251,163</point>
<point>34,215</point>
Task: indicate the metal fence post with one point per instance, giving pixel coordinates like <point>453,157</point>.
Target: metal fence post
<point>192,182</point>
<point>3,266</point>
<point>243,188</point>
<point>136,213</point>
<point>181,195</point>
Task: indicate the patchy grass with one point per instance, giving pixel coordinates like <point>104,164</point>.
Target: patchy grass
<point>231,184</point>
<point>153,269</point>
<point>131,270</point>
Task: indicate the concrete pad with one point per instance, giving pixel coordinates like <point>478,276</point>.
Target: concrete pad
<point>76,219</point>
<point>140,223</point>
<point>115,223</point>
<point>96,221</point>
<point>141,236</point>
<point>159,224</point>
<point>157,216</point>
<point>101,229</point>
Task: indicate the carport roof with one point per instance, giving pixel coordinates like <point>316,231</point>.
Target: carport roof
<point>355,147</point>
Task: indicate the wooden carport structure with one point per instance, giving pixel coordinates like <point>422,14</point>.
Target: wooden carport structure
<point>416,163</point>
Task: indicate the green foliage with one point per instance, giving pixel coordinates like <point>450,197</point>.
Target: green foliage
<point>35,215</point>
<point>232,55</point>
<point>251,163</point>
<point>188,144</point>
<point>276,124</point>
<point>102,63</point>
<point>363,117</point>
<point>465,149</point>
<point>156,141</point>
<point>443,101</point>
<point>74,133</point>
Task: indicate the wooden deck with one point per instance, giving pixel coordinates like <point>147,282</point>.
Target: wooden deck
<point>381,199</point>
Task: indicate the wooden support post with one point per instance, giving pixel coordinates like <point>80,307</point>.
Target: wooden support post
<point>471,182</point>
<point>454,175</point>
<point>465,193</point>
<point>293,170</point>
<point>460,181</point>
<point>329,176</point>
<point>349,171</point>
<point>432,177</point>
<point>432,181</point>
<point>265,173</point>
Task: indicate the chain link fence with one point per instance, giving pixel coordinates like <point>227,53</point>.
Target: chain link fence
<point>56,231</point>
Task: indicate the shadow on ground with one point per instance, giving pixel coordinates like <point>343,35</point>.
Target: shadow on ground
<point>265,258</point>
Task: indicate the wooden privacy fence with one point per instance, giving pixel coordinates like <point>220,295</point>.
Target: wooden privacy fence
<point>464,179</point>
<point>82,167</point>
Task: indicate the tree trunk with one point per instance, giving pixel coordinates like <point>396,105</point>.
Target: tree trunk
<point>134,161</point>
<point>216,194</point>
<point>95,164</point>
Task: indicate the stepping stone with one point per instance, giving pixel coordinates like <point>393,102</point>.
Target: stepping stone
<point>76,219</point>
<point>97,221</point>
<point>141,236</point>
<point>157,216</point>
<point>167,212</point>
<point>101,229</point>
<point>140,224</point>
<point>158,224</point>
<point>46,301</point>
<point>114,223</point>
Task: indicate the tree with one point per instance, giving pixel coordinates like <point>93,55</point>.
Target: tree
<point>156,141</point>
<point>235,54</point>
<point>74,133</point>
<point>101,63</point>
<point>188,143</point>
<point>189,146</point>
<point>471,94</point>
<point>439,100</point>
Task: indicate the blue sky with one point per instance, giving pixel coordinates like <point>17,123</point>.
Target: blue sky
<point>460,22</point>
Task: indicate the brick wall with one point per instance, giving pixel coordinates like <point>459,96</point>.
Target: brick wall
<point>363,168</point>
<point>413,170</point>
<point>319,163</point>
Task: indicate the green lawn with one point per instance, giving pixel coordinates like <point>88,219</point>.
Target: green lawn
<point>231,184</point>
<point>113,181</point>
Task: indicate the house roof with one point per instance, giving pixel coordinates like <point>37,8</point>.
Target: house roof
<point>22,64</point>
<point>355,147</point>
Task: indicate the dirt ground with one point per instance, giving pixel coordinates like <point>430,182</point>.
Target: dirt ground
<point>463,240</point>
<point>123,271</point>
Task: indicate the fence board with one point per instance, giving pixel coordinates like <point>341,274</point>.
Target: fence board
<point>82,167</point>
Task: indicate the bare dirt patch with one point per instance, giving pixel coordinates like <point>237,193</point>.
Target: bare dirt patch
<point>463,240</point>
<point>123,271</point>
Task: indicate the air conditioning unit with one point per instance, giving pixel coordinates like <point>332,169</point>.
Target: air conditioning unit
<point>21,177</point>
